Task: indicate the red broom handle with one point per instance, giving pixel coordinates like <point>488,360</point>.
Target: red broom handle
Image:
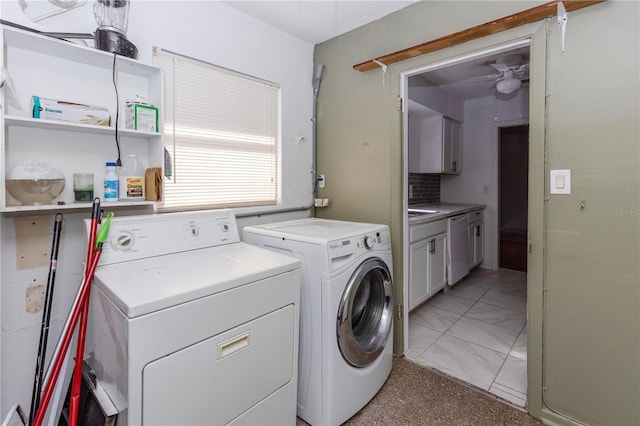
<point>66,341</point>
<point>74,401</point>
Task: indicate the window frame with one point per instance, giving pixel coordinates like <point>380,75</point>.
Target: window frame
<point>170,125</point>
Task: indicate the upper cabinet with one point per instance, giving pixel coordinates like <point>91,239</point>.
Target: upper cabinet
<point>65,71</point>
<point>435,142</point>
<point>451,146</point>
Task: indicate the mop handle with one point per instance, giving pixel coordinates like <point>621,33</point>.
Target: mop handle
<point>95,218</point>
<point>57,362</point>
<point>74,402</point>
<point>66,340</point>
<point>95,213</point>
<point>46,319</point>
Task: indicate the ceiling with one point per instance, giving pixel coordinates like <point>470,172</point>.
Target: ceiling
<point>465,79</point>
<point>318,21</point>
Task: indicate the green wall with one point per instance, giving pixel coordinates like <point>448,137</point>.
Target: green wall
<point>591,323</point>
<point>584,290</point>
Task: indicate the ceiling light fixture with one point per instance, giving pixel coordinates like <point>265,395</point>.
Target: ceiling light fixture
<point>508,84</point>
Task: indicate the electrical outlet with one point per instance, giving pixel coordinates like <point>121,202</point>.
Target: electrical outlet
<point>322,202</point>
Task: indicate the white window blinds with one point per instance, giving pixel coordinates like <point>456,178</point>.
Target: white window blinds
<point>221,131</point>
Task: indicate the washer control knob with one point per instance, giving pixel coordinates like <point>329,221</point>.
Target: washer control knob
<point>368,242</point>
<point>225,227</point>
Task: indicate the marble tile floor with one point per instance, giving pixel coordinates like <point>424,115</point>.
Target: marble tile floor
<point>476,332</point>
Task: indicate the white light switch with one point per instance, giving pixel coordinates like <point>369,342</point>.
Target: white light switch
<point>560,181</point>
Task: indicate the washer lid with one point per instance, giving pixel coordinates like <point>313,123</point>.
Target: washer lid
<point>148,285</point>
<point>315,230</point>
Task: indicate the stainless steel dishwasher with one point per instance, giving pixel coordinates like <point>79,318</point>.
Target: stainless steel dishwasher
<point>458,244</point>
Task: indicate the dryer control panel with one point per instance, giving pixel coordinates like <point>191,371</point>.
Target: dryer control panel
<point>139,237</point>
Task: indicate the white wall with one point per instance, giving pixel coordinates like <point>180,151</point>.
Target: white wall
<point>210,31</point>
<point>478,182</point>
<point>437,99</point>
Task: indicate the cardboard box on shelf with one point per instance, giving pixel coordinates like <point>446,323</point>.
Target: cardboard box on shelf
<point>141,117</point>
<point>52,109</point>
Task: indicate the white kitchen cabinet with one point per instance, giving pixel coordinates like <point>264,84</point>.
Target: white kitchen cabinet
<point>62,70</point>
<point>435,143</point>
<point>419,274</point>
<point>451,146</point>
<point>427,261</point>
<point>438,263</point>
<point>476,238</point>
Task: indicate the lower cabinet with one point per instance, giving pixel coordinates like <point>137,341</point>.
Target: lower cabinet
<point>438,263</point>
<point>427,261</point>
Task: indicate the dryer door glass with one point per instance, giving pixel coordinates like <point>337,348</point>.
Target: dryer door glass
<point>365,313</point>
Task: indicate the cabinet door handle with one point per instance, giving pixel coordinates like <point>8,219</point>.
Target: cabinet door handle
<point>432,250</point>
<point>477,230</point>
<point>455,166</point>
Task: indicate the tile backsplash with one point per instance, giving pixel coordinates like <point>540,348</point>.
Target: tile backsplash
<point>424,188</point>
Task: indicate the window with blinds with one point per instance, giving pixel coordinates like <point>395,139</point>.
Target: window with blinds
<point>221,130</point>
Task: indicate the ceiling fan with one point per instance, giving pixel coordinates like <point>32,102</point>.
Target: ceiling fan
<point>512,71</point>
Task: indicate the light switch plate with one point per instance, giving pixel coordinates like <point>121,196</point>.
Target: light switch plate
<point>560,181</point>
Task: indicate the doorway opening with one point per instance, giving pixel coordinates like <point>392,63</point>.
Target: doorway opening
<point>513,163</point>
<point>476,330</point>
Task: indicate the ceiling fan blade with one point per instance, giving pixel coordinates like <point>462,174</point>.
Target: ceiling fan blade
<point>500,67</point>
<point>483,78</point>
<point>522,72</point>
<point>521,69</point>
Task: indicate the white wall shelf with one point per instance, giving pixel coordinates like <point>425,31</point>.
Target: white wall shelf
<point>36,123</point>
<point>67,71</point>
<point>75,207</point>
<point>45,45</point>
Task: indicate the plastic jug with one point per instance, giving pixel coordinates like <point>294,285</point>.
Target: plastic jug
<point>131,181</point>
<point>111,183</point>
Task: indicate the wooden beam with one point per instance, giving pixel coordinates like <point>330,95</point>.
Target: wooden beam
<point>528,16</point>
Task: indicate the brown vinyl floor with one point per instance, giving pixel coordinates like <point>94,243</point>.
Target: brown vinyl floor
<point>414,395</point>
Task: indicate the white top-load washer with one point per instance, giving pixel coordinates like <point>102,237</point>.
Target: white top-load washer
<point>190,326</point>
<point>346,311</point>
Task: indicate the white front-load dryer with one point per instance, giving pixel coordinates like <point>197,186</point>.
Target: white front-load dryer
<point>346,311</point>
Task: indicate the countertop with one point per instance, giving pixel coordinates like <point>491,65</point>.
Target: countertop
<point>445,210</point>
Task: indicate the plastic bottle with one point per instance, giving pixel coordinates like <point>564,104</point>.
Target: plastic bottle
<point>131,182</point>
<point>111,183</point>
